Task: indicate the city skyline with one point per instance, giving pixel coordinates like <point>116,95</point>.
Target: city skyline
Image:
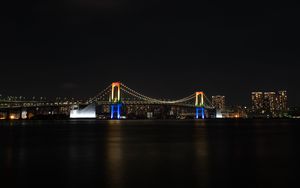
<point>259,100</point>
<point>118,101</point>
<point>217,99</point>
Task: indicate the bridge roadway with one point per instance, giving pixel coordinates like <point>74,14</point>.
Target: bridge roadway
<point>24,104</point>
<point>145,103</point>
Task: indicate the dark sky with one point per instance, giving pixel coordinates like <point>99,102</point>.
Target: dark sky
<point>161,48</point>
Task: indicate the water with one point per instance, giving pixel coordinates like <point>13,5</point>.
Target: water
<point>210,153</point>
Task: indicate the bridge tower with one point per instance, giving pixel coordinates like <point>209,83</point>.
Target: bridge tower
<point>115,100</point>
<point>199,104</point>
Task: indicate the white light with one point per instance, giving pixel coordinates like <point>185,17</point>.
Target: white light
<point>87,112</point>
<point>219,114</point>
<point>24,115</point>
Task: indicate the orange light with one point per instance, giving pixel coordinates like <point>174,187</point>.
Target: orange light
<point>113,85</point>
<point>12,117</point>
<point>201,102</point>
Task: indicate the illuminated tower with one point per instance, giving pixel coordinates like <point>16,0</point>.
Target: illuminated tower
<point>115,92</point>
<point>115,100</point>
<point>218,102</point>
<point>199,105</point>
<point>282,101</point>
<point>270,103</point>
<point>257,99</point>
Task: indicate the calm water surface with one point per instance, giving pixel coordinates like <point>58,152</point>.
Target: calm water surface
<point>210,153</point>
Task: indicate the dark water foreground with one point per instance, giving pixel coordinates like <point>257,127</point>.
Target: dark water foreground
<point>210,153</point>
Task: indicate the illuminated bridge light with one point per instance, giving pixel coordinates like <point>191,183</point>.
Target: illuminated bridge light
<point>113,97</point>
<point>116,100</point>
<point>199,103</point>
<point>115,111</point>
<point>115,107</point>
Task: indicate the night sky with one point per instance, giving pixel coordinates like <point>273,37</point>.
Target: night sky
<point>161,48</point>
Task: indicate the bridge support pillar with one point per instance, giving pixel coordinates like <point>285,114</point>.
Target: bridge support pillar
<point>200,113</point>
<point>115,111</point>
<point>115,99</point>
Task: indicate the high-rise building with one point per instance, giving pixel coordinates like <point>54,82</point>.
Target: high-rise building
<point>269,104</point>
<point>257,100</point>
<point>218,102</point>
<point>282,100</point>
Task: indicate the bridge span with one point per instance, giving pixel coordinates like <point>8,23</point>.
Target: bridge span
<point>116,101</point>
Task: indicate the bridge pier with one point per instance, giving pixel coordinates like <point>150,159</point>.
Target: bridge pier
<point>200,112</point>
<point>115,111</point>
<point>200,105</point>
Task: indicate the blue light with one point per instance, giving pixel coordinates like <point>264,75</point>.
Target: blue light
<point>119,113</point>
<point>201,111</point>
<point>112,112</point>
<point>115,112</point>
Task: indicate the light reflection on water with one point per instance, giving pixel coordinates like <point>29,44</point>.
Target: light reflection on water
<point>114,153</point>
<point>209,153</point>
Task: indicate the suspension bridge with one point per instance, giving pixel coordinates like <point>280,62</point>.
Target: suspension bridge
<point>118,95</point>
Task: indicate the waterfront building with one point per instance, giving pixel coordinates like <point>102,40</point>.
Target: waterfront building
<point>218,102</point>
